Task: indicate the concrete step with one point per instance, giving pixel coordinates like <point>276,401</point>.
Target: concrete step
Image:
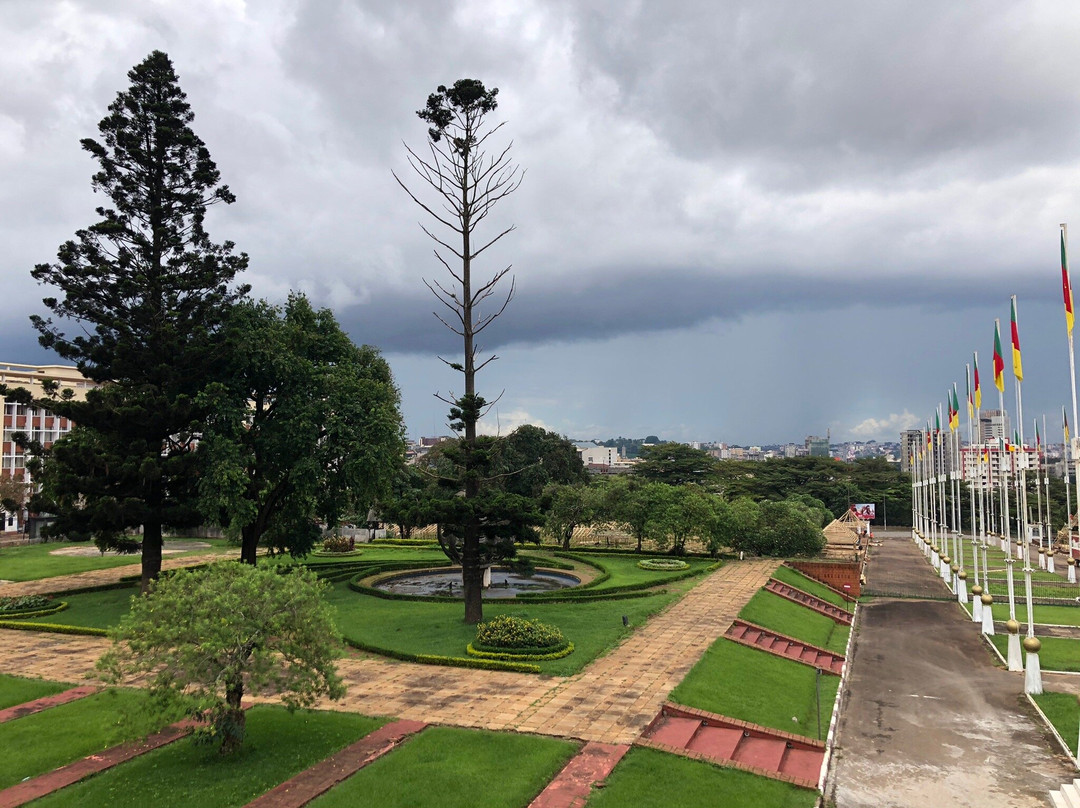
<point>788,647</point>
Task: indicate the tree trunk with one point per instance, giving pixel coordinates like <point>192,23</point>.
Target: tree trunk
<point>568,534</point>
<point>639,542</point>
<point>233,720</point>
<point>249,544</point>
<point>472,577</point>
<point>151,554</point>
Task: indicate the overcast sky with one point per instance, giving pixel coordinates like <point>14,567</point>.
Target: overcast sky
<point>745,222</point>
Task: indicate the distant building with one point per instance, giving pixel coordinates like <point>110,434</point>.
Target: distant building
<point>994,426</point>
<point>912,442</point>
<point>37,423</point>
<point>599,456</point>
<point>816,446</point>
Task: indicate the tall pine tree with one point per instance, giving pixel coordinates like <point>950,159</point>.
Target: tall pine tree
<point>147,292</point>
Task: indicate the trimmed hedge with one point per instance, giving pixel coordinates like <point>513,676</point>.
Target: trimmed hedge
<point>663,564</point>
<point>509,655</point>
<point>40,612</point>
<point>53,628</point>
<point>453,662</point>
<point>406,542</point>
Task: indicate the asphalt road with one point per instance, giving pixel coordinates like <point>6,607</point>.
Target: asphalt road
<point>929,719</point>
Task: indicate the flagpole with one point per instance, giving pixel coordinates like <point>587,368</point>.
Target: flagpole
<point>1033,672</point>
<point>1051,546</point>
<point>1068,499</point>
<point>1069,317</point>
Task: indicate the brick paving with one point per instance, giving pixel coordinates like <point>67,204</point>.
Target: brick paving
<point>611,701</point>
<point>573,785</point>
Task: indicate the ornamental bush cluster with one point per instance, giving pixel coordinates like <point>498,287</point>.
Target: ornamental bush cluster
<point>24,603</point>
<point>338,544</point>
<point>508,631</point>
<point>663,564</point>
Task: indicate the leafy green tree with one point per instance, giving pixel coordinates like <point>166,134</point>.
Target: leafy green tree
<point>685,512</point>
<point>570,507</point>
<point>748,525</point>
<point>409,503</point>
<point>633,504</point>
<point>675,464</point>
<point>147,293</point>
<point>467,182</point>
<point>243,630</point>
<point>13,493</point>
<point>306,428</point>
<point>789,531</point>
<point>534,458</point>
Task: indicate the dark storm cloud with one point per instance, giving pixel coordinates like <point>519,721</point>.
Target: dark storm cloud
<point>844,92</point>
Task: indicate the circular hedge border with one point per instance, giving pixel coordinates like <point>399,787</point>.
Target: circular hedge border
<point>520,654</point>
<point>663,564</point>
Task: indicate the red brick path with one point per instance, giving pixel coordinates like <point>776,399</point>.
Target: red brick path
<point>45,702</point>
<point>572,786</point>
<point>310,783</point>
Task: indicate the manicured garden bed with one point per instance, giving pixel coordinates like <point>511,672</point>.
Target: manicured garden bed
<point>444,767</point>
<point>771,611</point>
<point>17,690</point>
<point>40,742</point>
<point>278,745</point>
<point>647,778</point>
<point>747,683</point>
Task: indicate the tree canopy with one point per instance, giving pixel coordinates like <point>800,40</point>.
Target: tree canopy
<point>146,293</point>
<point>675,464</point>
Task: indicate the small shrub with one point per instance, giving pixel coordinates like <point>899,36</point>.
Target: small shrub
<point>127,546</point>
<point>24,603</point>
<point>523,566</point>
<point>338,544</point>
<point>508,631</point>
<point>663,564</point>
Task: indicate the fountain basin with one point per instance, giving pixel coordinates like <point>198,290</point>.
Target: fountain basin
<point>447,583</point>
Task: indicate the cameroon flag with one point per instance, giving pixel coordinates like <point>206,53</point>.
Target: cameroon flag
<point>1018,365</point>
<point>999,360</point>
<point>1066,287</point>
<point>978,388</point>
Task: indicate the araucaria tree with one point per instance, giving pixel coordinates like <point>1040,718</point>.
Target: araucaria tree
<point>466,181</point>
<point>244,631</point>
<point>146,292</point>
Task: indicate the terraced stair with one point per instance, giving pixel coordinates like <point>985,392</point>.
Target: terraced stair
<point>796,595</point>
<point>787,647</point>
<point>738,744</point>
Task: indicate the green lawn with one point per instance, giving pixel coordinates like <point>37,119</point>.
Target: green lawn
<point>741,682</point>
<point>33,561</point>
<point>277,746</point>
<point>794,578</point>
<point>647,778</point>
<point>418,627</point>
<point>443,767</point>
<point>1064,714</point>
<point>1047,615</point>
<point>17,690</point>
<point>771,611</point>
<point>624,570</point>
<point>37,743</point>
<point>1056,654</point>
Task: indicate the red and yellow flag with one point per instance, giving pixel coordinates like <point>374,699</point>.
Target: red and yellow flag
<point>1066,287</point>
<point>1018,365</point>
<point>954,409</point>
<point>1065,421</point>
<point>970,396</point>
<point>978,389</point>
<point>999,360</point>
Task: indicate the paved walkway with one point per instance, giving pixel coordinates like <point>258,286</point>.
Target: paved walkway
<point>611,701</point>
<point>928,718</point>
<point>80,580</point>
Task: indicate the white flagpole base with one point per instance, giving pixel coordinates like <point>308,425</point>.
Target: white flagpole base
<point>988,622</point>
<point>1004,546</point>
<point>976,610</point>
<point>1072,574</point>
<point>961,590</point>
<point>1019,552</point>
<point>1042,561</point>
<point>1016,662</point>
<point>1033,676</point>
<point>1050,564</point>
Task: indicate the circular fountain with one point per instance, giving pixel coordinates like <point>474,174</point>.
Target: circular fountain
<point>447,583</point>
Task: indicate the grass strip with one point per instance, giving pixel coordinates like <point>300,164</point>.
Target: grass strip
<point>278,745</point>
<point>444,767</point>
<point>751,684</point>
<point>769,610</point>
<point>792,577</point>
<point>1061,709</point>
<point>43,741</point>
<point>17,690</point>
<point>32,562</point>
<point>1056,654</point>
<point>649,778</point>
